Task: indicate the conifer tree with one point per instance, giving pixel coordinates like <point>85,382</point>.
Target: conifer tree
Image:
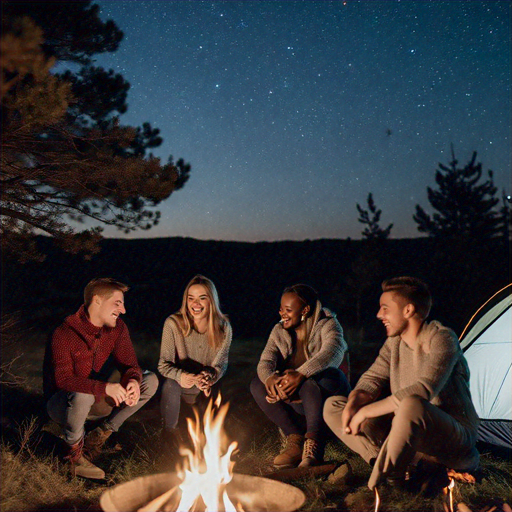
<point>65,155</point>
<point>465,205</point>
<point>371,218</point>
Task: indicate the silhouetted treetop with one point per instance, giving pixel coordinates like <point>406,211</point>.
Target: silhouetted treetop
<point>371,217</point>
<point>465,205</point>
<point>65,155</point>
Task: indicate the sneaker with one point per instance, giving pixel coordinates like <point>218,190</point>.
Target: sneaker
<point>291,455</point>
<point>95,440</point>
<point>81,466</point>
<point>312,453</point>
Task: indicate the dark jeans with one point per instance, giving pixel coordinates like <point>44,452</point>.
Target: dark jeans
<point>72,410</point>
<point>170,402</point>
<point>306,416</point>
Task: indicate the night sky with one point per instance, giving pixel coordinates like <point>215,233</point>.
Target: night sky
<point>291,112</point>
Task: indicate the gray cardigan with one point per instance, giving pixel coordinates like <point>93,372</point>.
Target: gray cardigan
<point>326,347</point>
<point>436,371</point>
<point>176,347</point>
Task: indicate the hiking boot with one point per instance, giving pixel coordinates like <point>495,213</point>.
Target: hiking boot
<point>95,440</point>
<point>291,455</point>
<point>312,453</point>
<point>80,466</point>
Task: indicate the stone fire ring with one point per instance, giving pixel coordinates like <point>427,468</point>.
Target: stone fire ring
<point>256,494</point>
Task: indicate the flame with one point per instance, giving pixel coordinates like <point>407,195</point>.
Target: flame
<point>450,492</point>
<point>377,500</point>
<point>207,471</point>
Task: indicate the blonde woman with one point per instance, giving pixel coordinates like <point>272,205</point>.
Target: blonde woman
<point>194,350</point>
<point>297,371</point>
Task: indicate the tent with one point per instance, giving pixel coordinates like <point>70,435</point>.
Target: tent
<point>487,345</point>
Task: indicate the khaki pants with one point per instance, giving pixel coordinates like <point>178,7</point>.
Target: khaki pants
<point>417,427</point>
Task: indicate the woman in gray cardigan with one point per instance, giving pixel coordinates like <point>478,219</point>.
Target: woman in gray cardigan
<point>194,351</point>
<point>297,371</point>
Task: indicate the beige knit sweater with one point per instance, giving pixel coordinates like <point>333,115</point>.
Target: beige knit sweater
<point>325,348</point>
<point>435,370</point>
<point>178,353</point>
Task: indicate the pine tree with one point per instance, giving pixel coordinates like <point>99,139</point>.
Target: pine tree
<point>371,218</point>
<point>65,155</point>
<point>465,206</point>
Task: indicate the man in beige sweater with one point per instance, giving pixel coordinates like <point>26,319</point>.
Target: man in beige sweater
<point>414,400</point>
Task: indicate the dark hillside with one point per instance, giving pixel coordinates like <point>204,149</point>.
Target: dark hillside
<point>251,276</point>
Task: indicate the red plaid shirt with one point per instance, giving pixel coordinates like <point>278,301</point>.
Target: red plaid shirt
<point>79,348</point>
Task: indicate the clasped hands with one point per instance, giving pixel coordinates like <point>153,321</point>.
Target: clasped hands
<point>203,380</point>
<point>282,386</point>
<point>129,395</point>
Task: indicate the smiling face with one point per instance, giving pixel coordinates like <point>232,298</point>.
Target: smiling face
<point>198,303</point>
<point>392,313</point>
<point>291,310</point>
<point>104,310</point>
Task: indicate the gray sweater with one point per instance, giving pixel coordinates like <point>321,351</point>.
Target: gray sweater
<point>436,371</point>
<point>326,348</point>
<point>178,351</point>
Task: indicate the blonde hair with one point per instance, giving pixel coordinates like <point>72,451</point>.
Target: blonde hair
<point>217,320</point>
<point>104,287</point>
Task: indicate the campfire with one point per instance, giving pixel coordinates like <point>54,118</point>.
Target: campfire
<point>207,469</point>
<point>205,481</point>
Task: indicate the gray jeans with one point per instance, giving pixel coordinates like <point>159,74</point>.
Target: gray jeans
<point>71,410</point>
<point>416,427</point>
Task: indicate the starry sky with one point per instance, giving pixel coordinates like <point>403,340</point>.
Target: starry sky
<point>291,112</point>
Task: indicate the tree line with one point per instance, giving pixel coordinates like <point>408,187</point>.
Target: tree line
<point>465,204</point>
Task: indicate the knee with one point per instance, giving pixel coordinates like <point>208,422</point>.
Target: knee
<point>333,407</point>
<point>171,388</point>
<point>257,388</point>
<point>80,400</point>
<point>149,383</point>
<point>411,408</point>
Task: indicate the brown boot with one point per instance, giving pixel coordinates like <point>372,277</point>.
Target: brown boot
<point>291,455</point>
<point>312,454</point>
<point>80,466</point>
<point>95,440</point>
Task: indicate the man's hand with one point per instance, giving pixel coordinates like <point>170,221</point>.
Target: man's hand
<point>115,391</point>
<point>133,391</point>
<point>356,422</point>
<point>356,400</point>
<point>291,381</point>
<point>188,380</point>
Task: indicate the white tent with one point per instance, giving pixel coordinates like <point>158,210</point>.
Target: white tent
<point>487,346</point>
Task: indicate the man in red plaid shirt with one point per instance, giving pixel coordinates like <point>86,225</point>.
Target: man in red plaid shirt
<point>84,351</point>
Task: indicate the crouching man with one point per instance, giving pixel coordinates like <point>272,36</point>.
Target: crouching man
<point>429,412</point>
<point>82,353</point>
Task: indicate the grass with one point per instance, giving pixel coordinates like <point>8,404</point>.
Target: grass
<point>34,477</point>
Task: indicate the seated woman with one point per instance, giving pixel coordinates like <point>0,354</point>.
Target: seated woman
<point>297,371</point>
<point>194,351</point>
